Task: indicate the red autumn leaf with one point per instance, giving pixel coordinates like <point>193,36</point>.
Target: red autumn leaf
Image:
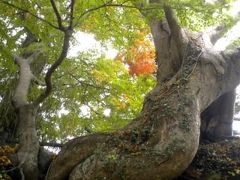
<point>140,57</point>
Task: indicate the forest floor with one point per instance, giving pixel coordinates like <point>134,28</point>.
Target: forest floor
<point>215,161</point>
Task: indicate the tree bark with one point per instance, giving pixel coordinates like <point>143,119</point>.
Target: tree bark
<point>26,129</point>
<point>216,120</point>
<point>28,141</point>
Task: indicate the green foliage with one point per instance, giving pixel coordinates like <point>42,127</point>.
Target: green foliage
<point>235,43</point>
<point>99,96</point>
<point>117,24</point>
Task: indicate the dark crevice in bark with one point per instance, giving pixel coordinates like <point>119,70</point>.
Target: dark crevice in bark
<point>216,120</point>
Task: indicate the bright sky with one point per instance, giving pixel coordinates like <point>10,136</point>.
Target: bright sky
<point>231,35</point>
<point>234,33</point>
<point>86,41</point>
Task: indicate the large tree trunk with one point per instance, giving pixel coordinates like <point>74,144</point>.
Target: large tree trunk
<point>163,140</point>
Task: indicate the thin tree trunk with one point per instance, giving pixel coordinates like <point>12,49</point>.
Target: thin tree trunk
<point>26,111</point>
<point>28,141</point>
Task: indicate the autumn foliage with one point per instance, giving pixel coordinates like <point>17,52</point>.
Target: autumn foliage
<point>140,57</point>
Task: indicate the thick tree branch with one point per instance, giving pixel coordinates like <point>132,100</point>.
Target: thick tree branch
<point>215,33</point>
<point>25,78</point>
<point>232,74</point>
<point>176,30</point>
<point>30,13</point>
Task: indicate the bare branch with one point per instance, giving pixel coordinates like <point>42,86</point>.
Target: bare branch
<point>85,83</point>
<point>58,16</point>
<point>30,13</point>
<point>107,4</point>
<point>54,66</point>
<point>71,14</point>
<point>65,46</point>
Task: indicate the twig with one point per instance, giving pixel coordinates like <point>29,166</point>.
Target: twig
<point>107,4</point>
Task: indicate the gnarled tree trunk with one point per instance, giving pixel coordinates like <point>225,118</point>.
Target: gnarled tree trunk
<point>163,140</point>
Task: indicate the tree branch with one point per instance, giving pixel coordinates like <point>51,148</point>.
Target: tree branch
<point>216,33</point>
<point>32,14</point>
<point>175,29</point>
<point>85,83</point>
<point>107,4</point>
<point>54,66</point>
<point>23,84</point>
<point>71,14</point>
<point>58,16</point>
<point>65,46</point>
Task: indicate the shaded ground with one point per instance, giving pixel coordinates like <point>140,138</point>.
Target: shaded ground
<point>214,161</point>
